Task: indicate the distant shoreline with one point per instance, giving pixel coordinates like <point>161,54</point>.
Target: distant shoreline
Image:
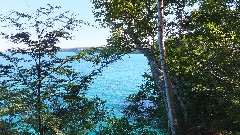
<point>77,49</point>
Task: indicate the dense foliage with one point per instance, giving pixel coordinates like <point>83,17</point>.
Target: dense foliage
<point>207,66</point>
<point>202,49</point>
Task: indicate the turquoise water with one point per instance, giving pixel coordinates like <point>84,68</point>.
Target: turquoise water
<point>119,80</point>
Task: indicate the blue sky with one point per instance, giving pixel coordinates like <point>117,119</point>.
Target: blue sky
<point>86,36</point>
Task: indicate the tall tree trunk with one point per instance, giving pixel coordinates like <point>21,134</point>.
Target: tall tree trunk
<point>168,88</point>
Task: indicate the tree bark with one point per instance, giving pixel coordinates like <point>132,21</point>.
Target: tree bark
<point>168,88</point>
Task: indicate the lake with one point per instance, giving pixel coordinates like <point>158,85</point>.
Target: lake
<point>117,81</point>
